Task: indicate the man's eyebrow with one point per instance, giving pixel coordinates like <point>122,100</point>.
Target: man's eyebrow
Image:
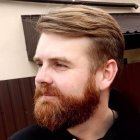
<point>54,59</point>
<point>59,59</point>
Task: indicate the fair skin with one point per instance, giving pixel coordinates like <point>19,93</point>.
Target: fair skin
<point>63,63</point>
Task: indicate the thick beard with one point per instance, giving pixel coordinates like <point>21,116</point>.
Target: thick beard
<point>65,111</point>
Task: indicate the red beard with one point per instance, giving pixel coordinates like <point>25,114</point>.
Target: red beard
<point>64,111</point>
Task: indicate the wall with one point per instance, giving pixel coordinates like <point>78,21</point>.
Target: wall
<point>13,56</point>
<point>16,105</point>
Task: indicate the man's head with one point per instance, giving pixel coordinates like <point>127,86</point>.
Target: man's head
<point>94,23</point>
<point>79,53</point>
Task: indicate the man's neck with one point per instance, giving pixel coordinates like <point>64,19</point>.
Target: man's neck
<point>96,126</point>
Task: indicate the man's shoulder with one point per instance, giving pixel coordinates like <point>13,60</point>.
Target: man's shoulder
<point>33,132</point>
<point>127,126</point>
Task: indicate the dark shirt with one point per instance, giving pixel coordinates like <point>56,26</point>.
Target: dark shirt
<point>126,127</point>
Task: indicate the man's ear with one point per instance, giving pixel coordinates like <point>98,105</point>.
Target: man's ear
<point>108,74</point>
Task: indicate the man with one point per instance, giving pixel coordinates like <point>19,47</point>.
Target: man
<point>79,54</point>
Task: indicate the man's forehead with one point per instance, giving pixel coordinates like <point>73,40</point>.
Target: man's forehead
<point>54,45</point>
<point>53,38</point>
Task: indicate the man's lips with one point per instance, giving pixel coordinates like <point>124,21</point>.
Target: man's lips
<point>46,97</point>
<point>47,94</point>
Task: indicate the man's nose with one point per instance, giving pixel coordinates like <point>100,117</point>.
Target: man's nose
<point>43,76</point>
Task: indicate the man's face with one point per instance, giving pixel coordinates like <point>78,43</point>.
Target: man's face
<point>66,93</point>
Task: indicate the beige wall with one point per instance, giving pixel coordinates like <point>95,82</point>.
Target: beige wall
<point>13,56</point>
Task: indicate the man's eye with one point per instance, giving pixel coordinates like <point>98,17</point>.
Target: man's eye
<point>39,64</point>
<point>60,65</point>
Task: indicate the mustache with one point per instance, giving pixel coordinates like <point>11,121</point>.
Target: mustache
<point>47,90</point>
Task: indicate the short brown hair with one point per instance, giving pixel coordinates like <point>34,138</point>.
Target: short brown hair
<point>76,21</point>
